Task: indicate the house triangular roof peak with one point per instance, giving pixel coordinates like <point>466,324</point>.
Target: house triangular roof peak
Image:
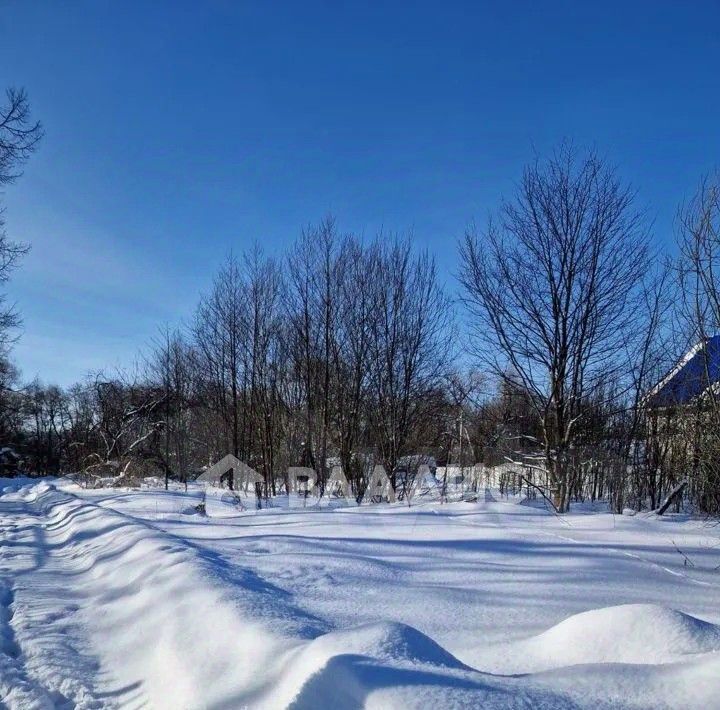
<point>694,373</point>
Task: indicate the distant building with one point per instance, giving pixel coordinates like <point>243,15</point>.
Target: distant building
<point>682,414</point>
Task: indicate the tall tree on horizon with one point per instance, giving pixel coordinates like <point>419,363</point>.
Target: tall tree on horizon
<point>553,287</point>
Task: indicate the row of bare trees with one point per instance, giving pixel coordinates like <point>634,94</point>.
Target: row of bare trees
<point>338,352</point>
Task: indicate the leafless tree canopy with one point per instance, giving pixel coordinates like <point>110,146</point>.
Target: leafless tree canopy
<point>699,264</point>
<point>19,136</point>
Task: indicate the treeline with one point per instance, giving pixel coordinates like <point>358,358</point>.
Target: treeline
<point>341,348</point>
<point>350,351</point>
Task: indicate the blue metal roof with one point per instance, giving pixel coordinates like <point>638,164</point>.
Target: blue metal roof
<point>691,378</point>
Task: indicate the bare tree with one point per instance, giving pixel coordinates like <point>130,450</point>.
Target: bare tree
<point>47,418</point>
<point>19,137</point>
<point>126,426</point>
<point>351,351</point>
<point>170,368</point>
<point>699,264</point>
<point>218,334</point>
<point>649,355</point>
<point>266,357</point>
<point>699,282</point>
<point>312,307</point>
<point>552,290</point>
<point>410,345</point>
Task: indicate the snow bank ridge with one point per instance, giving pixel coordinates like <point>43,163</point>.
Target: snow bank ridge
<point>167,621</point>
<point>162,619</point>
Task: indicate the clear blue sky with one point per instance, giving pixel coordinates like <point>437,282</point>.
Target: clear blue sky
<point>176,132</point>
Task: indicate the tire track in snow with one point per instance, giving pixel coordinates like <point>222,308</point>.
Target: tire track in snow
<point>42,661</point>
<point>17,690</point>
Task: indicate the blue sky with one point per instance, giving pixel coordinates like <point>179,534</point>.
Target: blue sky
<point>176,132</point>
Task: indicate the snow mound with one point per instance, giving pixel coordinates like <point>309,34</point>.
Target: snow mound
<point>387,641</point>
<point>393,665</point>
<point>630,633</point>
<point>645,634</point>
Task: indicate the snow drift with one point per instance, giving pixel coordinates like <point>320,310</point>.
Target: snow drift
<point>173,627</point>
<point>171,623</point>
<point>630,633</point>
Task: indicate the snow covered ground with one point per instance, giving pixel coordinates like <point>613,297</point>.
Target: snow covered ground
<point>113,598</point>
